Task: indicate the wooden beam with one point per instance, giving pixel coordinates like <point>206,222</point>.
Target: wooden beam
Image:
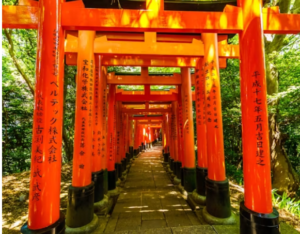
<point>146,80</point>
<point>144,61</point>
<point>147,118</point>
<point>229,21</point>
<point>151,47</point>
<point>145,98</point>
<point>143,111</point>
<point>22,17</point>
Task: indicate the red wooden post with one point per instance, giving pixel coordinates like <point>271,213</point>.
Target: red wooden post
<point>97,161</point>
<point>103,107</point>
<point>201,170</point>
<point>118,164</point>
<point>136,138</point>
<point>110,139</point>
<point>44,193</point>
<point>180,135</point>
<point>188,132</point>
<point>174,119</point>
<point>217,186</point>
<point>82,168</point>
<point>256,213</point>
<point>131,138</point>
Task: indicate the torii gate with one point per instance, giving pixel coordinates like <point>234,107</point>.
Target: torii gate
<point>53,18</point>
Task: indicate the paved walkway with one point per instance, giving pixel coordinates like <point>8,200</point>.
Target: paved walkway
<point>149,202</point>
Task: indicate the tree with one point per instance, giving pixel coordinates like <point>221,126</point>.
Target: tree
<point>284,176</point>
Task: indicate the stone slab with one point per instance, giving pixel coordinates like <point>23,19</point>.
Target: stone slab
<point>128,224</point>
<point>152,215</point>
<point>155,223</point>
<point>227,229</point>
<point>204,229</point>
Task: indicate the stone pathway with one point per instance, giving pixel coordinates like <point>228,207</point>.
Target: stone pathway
<point>149,203</point>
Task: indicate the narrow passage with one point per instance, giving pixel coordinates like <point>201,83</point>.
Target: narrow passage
<point>149,202</point>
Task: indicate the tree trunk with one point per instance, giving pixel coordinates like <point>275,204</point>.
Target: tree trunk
<point>284,179</point>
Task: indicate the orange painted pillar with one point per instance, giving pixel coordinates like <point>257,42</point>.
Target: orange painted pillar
<point>118,163</point>
<point>175,129</point>
<point>130,138</point>
<point>164,134</point>
<point>126,140</point>
<point>136,138</point>
<point>103,121</point>
<point>180,138</point>
<point>97,161</point>
<point>44,193</point>
<point>140,136</point>
<point>168,133</point>
<point>188,132</point>
<point>201,170</point>
<point>171,142</point>
<point>217,186</point>
<point>83,136</point>
<point>174,117</point>
<point>255,129</point>
<point>111,151</point>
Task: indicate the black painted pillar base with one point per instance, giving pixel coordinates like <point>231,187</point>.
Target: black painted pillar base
<point>135,152</point>
<point>111,178</point>
<point>182,176</point>
<point>131,151</point>
<point>124,163</point>
<point>201,174</point>
<point>97,178</point>
<point>166,157</point>
<point>177,169</point>
<point>105,181</point>
<point>119,170</point>
<point>256,223</point>
<point>57,228</point>
<point>172,164</point>
<point>140,148</point>
<point>217,198</point>
<point>80,210</point>
<point>127,158</point>
<point>189,179</point>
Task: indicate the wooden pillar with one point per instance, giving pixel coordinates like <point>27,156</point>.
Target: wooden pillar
<point>104,122</point>
<point>174,119</point>
<point>217,186</point>
<point>118,163</point>
<point>131,137</point>
<point>255,129</point>
<point>136,137</point>
<point>97,161</point>
<point>44,192</point>
<point>188,131</point>
<point>110,138</point>
<point>180,137</point>
<point>201,170</point>
<point>82,168</point>
<point>180,130</point>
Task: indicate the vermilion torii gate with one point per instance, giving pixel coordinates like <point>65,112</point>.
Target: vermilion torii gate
<point>101,143</point>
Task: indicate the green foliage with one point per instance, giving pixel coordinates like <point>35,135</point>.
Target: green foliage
<point>288,111</point>
<point>285,202</point>
<point>17,113</point>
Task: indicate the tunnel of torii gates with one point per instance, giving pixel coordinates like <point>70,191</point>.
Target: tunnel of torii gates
<point>112,125</point>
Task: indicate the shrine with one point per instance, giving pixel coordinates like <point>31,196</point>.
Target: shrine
<point>113,126</point>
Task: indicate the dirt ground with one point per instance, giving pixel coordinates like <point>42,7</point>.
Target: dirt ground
<point>15,212</point>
